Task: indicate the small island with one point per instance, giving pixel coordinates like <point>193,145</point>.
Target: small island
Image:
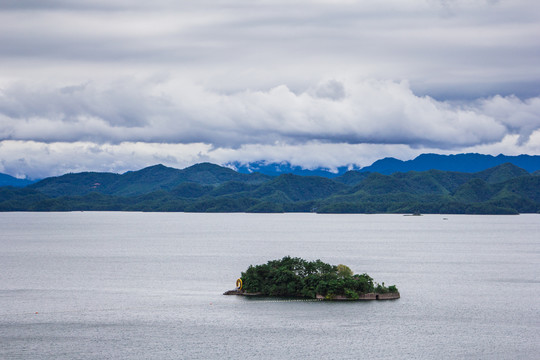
<point>296,277</point>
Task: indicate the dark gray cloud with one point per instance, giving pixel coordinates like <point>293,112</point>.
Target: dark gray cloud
<point>481,46</point>
<point>333,90</point>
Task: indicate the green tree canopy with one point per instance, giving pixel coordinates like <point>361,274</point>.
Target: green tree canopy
<point>296,277</point>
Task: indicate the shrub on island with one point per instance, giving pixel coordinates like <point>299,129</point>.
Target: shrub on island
<point>296,277</point>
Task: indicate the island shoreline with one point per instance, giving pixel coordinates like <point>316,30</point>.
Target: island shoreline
<point>362,297</point>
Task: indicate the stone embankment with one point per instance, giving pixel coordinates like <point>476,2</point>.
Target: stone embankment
<point>241,293</point>
<point>233,292</point>
<point>368,296</point>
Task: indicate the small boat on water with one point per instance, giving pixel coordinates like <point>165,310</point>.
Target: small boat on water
<point>416,213</point>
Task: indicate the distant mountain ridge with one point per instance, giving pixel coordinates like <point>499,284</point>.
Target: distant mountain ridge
<point>8,180</point>
<point>468,163</point>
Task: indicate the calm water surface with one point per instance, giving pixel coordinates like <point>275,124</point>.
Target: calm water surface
<point>110,285</point>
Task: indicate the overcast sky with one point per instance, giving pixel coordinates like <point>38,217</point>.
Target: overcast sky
<point>117,85</point>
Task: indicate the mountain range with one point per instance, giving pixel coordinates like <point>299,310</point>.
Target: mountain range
<point>468,163</point>
<point>502,189</point>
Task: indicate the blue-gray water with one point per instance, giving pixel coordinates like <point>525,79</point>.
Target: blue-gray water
<point>148,286</point>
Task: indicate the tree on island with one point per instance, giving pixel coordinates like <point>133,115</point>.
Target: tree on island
<point>296,277</point>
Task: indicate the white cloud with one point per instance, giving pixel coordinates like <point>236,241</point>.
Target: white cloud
<point>38,160</point>
<point>519,116</point>
<point>382,112</point>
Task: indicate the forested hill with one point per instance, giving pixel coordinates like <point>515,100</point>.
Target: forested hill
<point>153,178</point>
<point>504,189</point>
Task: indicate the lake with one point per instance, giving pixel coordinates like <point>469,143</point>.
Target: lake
<point>115,285</point>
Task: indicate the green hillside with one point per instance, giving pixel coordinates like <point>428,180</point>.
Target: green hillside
<point>288,187</point>
<point>147,180</point>
<point>504,189</point>
<point>76,184</point>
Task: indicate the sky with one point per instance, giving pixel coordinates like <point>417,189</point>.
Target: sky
<point>118,85</point>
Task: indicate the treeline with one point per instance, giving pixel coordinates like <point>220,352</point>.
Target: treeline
<point>505,189</point>
<point>296,277</point>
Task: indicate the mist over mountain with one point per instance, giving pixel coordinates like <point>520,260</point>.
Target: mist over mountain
<point>468,163</point>
<point>275,169</point>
